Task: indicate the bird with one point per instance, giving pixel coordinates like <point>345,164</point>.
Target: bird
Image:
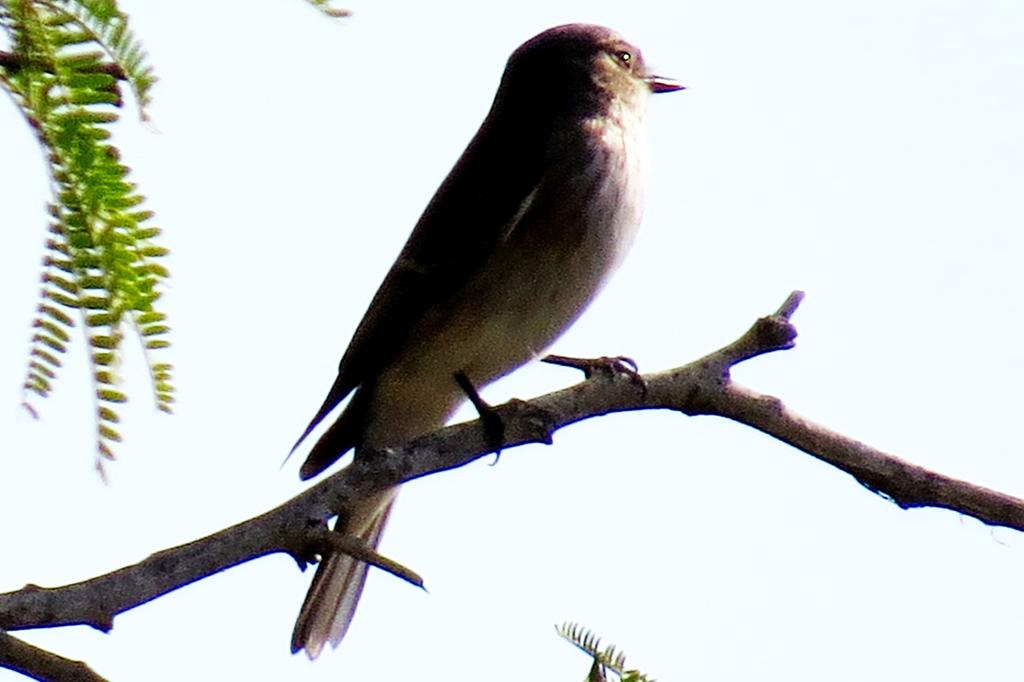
<point>519,238</point>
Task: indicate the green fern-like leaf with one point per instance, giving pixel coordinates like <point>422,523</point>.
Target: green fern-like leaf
<point>64,71</point>
<point>606,660</point>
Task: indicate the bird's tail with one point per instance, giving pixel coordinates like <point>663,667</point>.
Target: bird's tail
<point>333,596</point>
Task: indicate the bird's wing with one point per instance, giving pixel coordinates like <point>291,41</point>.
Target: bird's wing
<point>475,209</point>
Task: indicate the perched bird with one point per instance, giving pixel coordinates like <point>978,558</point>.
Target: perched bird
<point>521,235</point>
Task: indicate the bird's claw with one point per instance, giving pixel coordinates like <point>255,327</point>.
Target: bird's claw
<point>609,367</point>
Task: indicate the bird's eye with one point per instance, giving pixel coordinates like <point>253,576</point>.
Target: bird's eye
<point>625,57</point>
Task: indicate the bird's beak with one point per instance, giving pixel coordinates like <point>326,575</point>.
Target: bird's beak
<point>660,84</point>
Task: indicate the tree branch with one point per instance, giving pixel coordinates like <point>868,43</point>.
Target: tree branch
<point>703,387</point>
<point>40,664</point>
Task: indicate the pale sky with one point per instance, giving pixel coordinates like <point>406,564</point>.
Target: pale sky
<point>870,153</point>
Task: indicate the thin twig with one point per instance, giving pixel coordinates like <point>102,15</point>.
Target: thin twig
<point>40,664</point>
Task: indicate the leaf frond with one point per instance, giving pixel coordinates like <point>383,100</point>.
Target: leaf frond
<point>102,265</point>
<point>605,660</point>
<point>325,7</point>
<point>101,23</point>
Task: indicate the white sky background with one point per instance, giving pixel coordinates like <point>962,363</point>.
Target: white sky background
<point>868,152</point>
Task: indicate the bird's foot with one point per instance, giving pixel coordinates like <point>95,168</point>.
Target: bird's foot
<point>494,426</point>
<point>606,367</point>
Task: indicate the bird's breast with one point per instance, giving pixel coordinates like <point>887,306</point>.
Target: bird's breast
<point>571,233</point>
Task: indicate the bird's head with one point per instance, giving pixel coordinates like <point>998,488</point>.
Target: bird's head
<point>579,67</point>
